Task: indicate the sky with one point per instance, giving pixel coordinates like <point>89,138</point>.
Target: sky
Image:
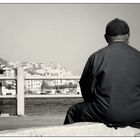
<point>66,34</point>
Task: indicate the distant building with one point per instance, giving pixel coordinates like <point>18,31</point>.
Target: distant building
<point>33,86</point>
<point>37,69</point>
<point>9,72</point>
<point>6,91</point>
<point>13,64</point>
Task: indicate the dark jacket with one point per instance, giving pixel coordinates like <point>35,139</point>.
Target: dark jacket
<point>111,80</point>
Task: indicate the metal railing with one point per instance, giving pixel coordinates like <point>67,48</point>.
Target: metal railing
<point>20,96</point>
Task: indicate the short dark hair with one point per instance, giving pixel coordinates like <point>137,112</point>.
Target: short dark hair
<point>117,27</point>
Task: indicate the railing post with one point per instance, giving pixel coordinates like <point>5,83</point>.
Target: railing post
<point>20,91</point>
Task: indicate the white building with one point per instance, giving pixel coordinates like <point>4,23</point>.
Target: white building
<point>9,72</point>
<point>33,85</point>
<point>6,91</point>
<point>14,64</point>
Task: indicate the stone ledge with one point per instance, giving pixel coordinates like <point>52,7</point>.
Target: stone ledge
<point>77,129</point>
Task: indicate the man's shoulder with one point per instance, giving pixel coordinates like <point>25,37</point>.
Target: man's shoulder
<point>109,49</point>
<point>135,50</point>
<point>99,52</point>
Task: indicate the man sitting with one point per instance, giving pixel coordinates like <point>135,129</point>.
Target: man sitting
<point>110,82</point>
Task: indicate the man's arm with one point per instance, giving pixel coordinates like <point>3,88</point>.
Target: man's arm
<point>86,81</point>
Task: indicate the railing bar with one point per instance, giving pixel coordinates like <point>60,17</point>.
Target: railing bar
<point>40,96</point>
<point>8,78</point>
<point>51,78</point>
<point>8,96</point>
<point>41,78</point>
<point>51,96</point>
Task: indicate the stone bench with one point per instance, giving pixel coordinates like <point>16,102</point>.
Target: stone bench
<point>77,129</point>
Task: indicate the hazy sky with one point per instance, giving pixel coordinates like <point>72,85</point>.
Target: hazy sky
<point>63,33</point>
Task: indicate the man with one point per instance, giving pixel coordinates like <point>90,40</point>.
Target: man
<point>110,83</point>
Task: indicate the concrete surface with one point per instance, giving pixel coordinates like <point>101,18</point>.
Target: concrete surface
<point>15,122</point>
<point>77,129</point>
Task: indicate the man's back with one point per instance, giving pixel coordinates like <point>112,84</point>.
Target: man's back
<point>110,82</point>
<point>116,83</point>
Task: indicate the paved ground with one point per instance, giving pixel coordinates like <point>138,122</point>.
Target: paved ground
<point>7,123</point>
<point>40,112</point>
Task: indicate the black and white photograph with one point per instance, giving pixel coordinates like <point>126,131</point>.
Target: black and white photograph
<point>69,69</point>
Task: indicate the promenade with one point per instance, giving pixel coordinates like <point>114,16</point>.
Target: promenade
<point>45,117</point>
<point>38,112</point>
<point>12,123</point>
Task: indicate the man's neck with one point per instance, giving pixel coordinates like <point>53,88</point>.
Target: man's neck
<point>120,38</point>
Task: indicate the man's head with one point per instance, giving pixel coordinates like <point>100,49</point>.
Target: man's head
<point>117,30</point>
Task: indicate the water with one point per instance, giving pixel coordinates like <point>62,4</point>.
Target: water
<point>40,106</point>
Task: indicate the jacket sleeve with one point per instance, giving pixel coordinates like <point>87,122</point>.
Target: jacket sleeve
<point>86,80</point>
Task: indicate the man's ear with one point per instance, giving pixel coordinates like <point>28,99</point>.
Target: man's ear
<point>127,37</point>
<point>106,38</point>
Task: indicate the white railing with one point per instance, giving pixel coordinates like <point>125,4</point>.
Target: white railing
<point>20,96</point>
<point>50,78</point>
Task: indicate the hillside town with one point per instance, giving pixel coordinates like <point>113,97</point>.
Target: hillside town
<point>35,87</point>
